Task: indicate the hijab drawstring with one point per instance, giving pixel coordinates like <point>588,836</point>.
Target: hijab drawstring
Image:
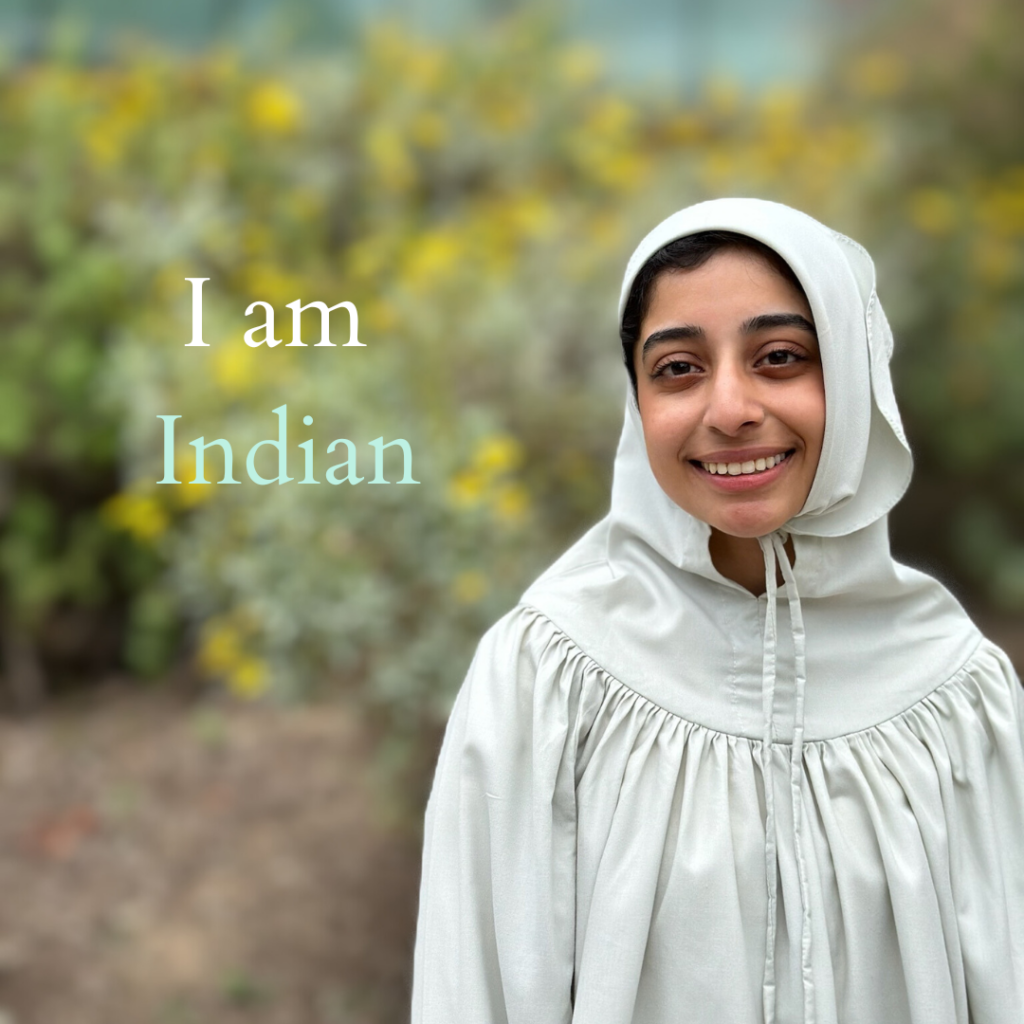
<point>775,557</point>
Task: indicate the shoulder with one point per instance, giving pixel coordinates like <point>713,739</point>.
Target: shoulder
<point>991,686</point>
<point>524,657</point>
<point>971,724</point>
<point>518,712</point>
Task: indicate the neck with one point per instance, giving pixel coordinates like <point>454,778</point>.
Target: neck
<point>740,559</point>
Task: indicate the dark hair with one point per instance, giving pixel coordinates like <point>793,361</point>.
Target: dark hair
<point>687,253</point>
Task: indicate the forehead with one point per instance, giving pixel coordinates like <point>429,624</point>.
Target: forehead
<point>731,283</point>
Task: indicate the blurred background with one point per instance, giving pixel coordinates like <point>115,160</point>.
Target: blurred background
<point>220,706</point>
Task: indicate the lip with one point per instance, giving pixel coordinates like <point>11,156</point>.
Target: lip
<point>743,482</point>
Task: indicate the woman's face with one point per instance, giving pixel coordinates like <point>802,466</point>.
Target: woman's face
<point>731,393</point>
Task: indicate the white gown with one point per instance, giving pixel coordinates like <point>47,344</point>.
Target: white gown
<point>661,799</point>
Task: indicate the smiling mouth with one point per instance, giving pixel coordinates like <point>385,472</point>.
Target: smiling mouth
<point>750,468</point>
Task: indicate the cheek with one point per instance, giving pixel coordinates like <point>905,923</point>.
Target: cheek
<point>666,429</point>
<point>807,415</point>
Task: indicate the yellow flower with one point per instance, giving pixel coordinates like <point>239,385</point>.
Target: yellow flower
<point>423,66</point>
<point>104,141</point>
<point>269,283</point>
<point>236,366</point>
<point>497,453</point>
<point>466,489</point>
<point>271,108</point>
<point>220,648</point>
<point>530,215</point>
<point>511,504</point>
<point>389,156</point>
<point>495,457</point>
<point>223,652</point>
<point>933,211</point>
<point>128,105</point>
<point>138,514</point>
<point>248,679</point>
<point>624,169</point>
<point>188,494</point>
<point>469,587</point>
<point>136,97</point>
<point>431,257</point>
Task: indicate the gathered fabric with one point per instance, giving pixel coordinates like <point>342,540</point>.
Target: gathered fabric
<point>593,857</point>
<point>662,798</point>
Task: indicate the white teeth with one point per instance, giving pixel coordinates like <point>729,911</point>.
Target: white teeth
<point>743,468</point>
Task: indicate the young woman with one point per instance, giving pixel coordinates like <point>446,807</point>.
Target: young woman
<point>727,761</point>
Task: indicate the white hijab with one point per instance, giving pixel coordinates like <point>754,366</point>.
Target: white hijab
<point>865,463</point>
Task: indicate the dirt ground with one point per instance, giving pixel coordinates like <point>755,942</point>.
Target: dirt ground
<point>179,862</point>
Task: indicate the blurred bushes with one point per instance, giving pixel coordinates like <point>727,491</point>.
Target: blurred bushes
<point>476,200</point>
<point>947,228</point>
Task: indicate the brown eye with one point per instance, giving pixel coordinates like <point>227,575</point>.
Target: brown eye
<point>678,369</point>
<point>674,368</point>
<point>781,357</point>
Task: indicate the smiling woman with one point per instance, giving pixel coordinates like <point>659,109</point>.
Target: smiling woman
<point>727,760</point>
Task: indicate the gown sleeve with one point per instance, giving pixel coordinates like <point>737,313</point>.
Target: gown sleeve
<point>495,936</point>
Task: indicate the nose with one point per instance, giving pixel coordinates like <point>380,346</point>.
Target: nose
<point>733,405</point>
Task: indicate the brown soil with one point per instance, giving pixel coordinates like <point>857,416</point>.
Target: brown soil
<point>175,863</point>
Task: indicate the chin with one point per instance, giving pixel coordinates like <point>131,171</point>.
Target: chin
<point>751,524</point>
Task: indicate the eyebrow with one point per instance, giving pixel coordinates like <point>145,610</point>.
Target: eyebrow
<point>766,321</point>
<point>763,322</point>
<point>683,332</point>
